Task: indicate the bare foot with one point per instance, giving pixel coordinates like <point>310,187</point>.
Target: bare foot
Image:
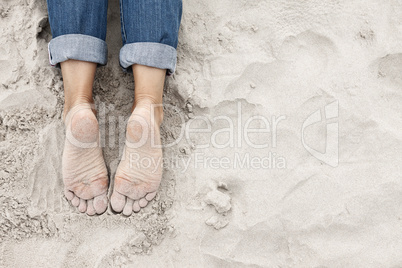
<point>140,171</point>
<point>84,171</point>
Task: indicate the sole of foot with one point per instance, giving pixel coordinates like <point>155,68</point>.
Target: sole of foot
<point>139,172</point>
<point>84,171</point>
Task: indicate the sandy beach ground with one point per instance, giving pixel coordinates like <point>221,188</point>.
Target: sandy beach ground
<point>320,184</point>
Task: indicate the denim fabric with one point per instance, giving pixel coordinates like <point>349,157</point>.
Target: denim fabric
<point>77,47</point>
<point>150,21</point>
<point>149,31</point>
<point>149,54</point>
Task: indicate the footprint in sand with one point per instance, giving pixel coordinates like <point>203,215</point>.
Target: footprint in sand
<point>45,177</point>
<point>300,60</point>
<point>388,71</point>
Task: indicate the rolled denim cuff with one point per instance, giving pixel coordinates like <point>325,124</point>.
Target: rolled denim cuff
<point>150,54</point>
<point>77,47</point>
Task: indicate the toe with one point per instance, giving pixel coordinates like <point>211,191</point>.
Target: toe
<point>143,202</point>
<point>69,195</point>
<point>75,201</point>
<point>136,206</point>
<point>128,208</point>
<point>90,207</point>
<point>150,196</point>
<point>117,201</point>
<point>82,207</point>
<point>100,203</point>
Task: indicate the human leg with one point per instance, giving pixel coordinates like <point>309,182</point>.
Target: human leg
<point>78,46</point>
<point>150,36</point>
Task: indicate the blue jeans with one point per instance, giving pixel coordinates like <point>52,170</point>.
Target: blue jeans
<point>149,30</point>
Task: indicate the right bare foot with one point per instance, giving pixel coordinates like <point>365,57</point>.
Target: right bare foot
<point>84,171</point>
<point>135,183</point>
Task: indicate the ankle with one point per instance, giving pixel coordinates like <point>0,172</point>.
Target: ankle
<point>69,104</point>
<point>152,106</point>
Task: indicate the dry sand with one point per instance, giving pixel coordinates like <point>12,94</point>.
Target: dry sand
<point>270,58</point>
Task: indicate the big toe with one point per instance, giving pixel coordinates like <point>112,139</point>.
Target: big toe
<point>143,202</point>
<point>75,201</point>
<point>117,201</point>
<point>150,196</point>
<point>100,203</point>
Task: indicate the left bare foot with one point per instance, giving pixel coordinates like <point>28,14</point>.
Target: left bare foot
<point>84,170</point>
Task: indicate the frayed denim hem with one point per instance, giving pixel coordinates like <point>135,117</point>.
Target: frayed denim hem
<point>151,54</point>
<point>77,47</point>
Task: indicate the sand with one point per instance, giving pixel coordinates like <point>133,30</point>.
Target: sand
<point>325,191</point>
